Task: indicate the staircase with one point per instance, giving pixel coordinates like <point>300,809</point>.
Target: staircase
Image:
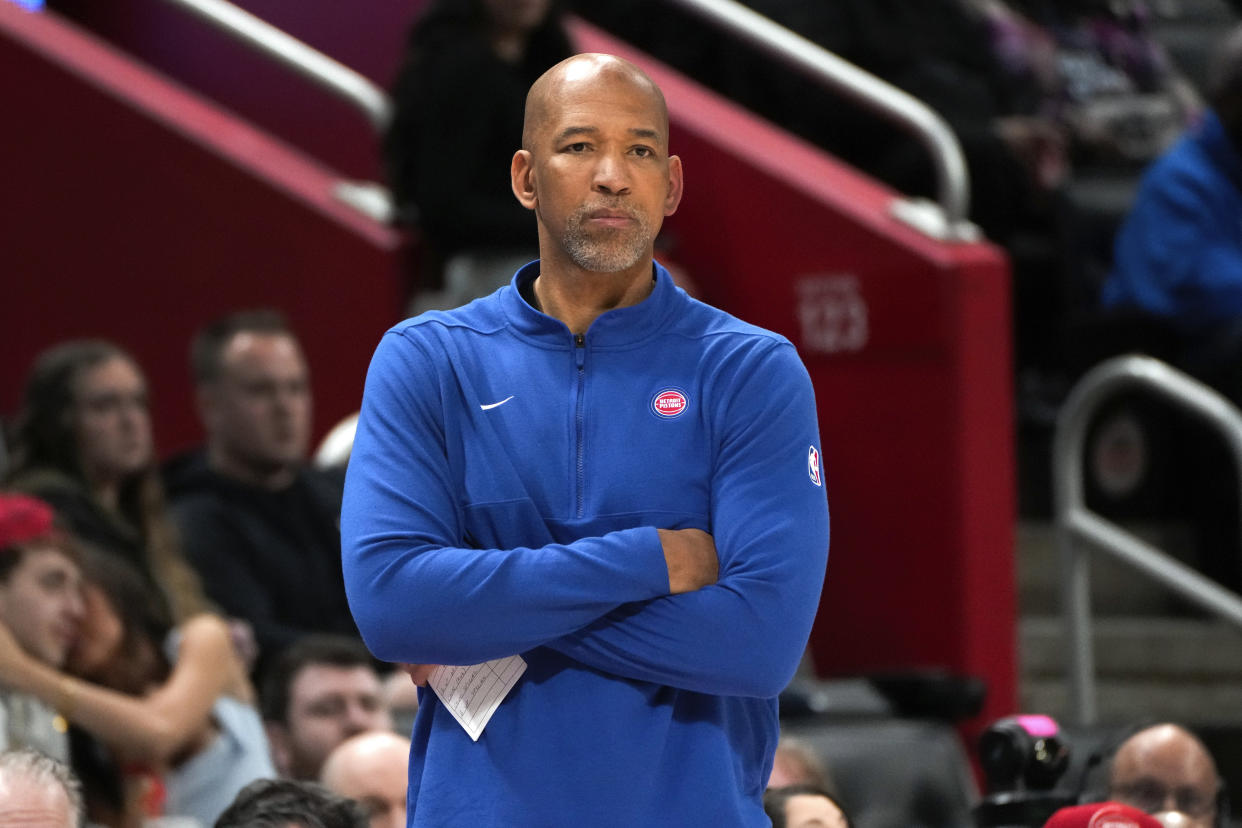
<point>1155,658</point>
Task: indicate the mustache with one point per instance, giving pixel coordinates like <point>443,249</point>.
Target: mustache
<point>611,205</point>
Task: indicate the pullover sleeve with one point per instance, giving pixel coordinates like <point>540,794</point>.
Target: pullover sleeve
<point>744,635</point>
<point>418,589</point>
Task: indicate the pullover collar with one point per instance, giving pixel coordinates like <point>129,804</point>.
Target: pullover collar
<point>615,328</point>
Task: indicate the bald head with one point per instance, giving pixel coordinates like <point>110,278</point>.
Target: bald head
<point>36,790</point>
<point>1165,768</point>
<point>371,768</point>
<point>583,74</point>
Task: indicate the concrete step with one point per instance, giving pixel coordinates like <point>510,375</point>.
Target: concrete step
<point>1172,649</point>
<point>1116,589</point>
<point>1146,668</point>
<point>1121,702</point>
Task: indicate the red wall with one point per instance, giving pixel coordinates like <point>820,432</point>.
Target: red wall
<point>135,211</point>
<point>907,342</point>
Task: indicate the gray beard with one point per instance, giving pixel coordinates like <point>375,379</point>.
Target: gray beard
<point>609,252</point>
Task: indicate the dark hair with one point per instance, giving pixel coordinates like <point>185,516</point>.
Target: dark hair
<point>145,623</point>
<point>12,555</point>
<point>775,799</point>
<point>278,803</point>
<point>43,435</point>
<point>210,342</point>
<point>315,648</point>
<point>45,439</point>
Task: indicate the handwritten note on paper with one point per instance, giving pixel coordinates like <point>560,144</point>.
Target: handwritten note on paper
<point>473,693</point>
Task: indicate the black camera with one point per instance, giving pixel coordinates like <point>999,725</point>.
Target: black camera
<point>1023,758</point>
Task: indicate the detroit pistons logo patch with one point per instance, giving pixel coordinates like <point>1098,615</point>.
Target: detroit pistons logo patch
<point>669,403</point>
<point>812,466</point>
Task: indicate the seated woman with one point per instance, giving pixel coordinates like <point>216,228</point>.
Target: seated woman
<point>180,723</point>
<point>83,443</point>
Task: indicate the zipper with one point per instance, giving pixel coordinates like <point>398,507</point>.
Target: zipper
<point>579,425</point>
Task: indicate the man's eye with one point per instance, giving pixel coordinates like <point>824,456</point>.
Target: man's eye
<point>643,152</point>
<point>325,709</point>
<point>578,147</point>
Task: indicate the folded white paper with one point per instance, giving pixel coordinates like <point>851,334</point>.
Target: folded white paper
<point>473,693</point>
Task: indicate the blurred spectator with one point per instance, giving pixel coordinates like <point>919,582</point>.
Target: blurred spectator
<point>803,806</point>
<point>1109,86</point>
<point>1100,73</point>
<point>797,763</point>
<point>285,803</point>
<point>37,790</point>
<point>1177,278</point>
<point>173,706</point>
<point>83,443</point>
<point>258,523</point>
<point>41,606</point>
<point>459,101</point>
<point>1167,771</point>
<point>1178,255</point>
<point>1101,814</point>
<point>371,769</point>
<point>317,694</point>
<point>1021,83</point>
<point>1057,104</point>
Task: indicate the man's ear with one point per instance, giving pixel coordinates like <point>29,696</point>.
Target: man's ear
<point>522,177</point>
<point>674,185</point>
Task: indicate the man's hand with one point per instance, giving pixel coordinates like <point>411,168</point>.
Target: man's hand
<point>690,555</point>
<point>419,673</point>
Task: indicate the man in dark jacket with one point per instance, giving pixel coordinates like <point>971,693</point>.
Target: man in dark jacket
<point>257,522</point>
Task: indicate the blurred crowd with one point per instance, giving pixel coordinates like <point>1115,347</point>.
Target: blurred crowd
<point>174,632</point>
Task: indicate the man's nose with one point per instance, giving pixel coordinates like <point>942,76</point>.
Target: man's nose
<point>611,176</point>
<point>358,718</point>
<point>132,415</point>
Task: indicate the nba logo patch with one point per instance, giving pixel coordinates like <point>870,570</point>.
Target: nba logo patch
<point>669,403</point>
<point>812,466</point>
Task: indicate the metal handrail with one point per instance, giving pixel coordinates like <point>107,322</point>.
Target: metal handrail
<point>881,97</point>
<point>949,222</point>
<point>1073,519</point>
<point>368,197</point>
<point>293,53</point>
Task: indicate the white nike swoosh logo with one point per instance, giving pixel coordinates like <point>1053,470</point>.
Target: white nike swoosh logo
<point>490,406</point>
